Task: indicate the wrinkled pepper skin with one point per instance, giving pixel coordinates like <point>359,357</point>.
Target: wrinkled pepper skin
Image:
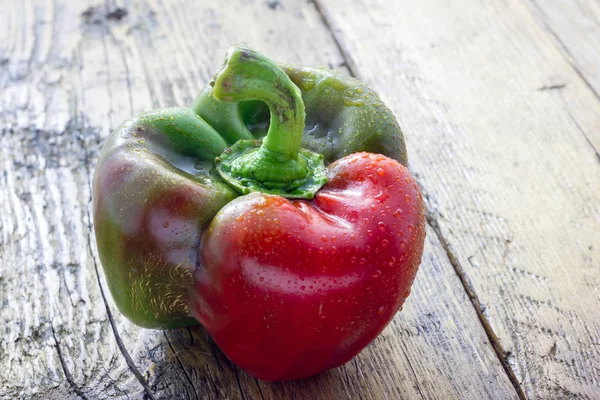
<point>343,116</point>
<point>153,196</point>
<point>289,288</point>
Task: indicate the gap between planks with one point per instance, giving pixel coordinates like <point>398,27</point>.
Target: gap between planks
<point>432,221</point>
<point>568,57</point>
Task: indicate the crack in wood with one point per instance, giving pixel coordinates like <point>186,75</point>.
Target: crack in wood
<point>580,129</point>
<point>347,376</point>
<point>479,309</point>
<point>259,389</point>
<point>565,52</point>
<point>187,376</point>
<point>500,353</point>
<point>348,62</point>
<point>553,87</point>
<point>115,383</point>
<point>568,57</point>
<point>412,370</point>
<point>115,331</point>
<point>239,384</point>
<point>76,388</point>
<point>118,340</point>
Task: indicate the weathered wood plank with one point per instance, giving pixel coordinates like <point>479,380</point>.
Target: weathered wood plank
<point>575,28</point>
<point>56,338</point>
<point>73,72</point>
<point>512,180</point>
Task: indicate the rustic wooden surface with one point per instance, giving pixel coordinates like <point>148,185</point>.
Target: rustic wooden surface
<point>499,102</point>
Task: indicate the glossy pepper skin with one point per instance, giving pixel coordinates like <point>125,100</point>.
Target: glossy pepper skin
<point>290,288</point>
<point>155,188</point>
<point>153,195</point>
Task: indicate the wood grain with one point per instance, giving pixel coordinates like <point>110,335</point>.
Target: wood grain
<point>501,130</point>
<point>71,71</point>
<point>575,30</point>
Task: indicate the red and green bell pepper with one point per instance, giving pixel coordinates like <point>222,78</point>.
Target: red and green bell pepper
<point>277,211</point>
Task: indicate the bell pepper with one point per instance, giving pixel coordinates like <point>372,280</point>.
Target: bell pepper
<point>277,211</point>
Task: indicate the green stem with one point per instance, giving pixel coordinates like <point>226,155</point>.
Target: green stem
<point>277,165</point>
<point>248,75</point>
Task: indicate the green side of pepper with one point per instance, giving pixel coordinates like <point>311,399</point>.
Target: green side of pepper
<point>154,192</point>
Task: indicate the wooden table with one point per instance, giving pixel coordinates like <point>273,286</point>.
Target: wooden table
<point>500,104</point>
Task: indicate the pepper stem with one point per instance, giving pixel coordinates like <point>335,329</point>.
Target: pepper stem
<point>276,165</point>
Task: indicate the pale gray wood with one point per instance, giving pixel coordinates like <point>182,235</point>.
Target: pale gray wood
<point>505,153</point>
<point>575,28</point>
<point>71,72</point>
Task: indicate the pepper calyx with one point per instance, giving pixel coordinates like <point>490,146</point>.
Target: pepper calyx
<point>238,166</point>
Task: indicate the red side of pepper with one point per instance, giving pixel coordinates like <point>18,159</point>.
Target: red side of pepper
<point>292,287</point>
